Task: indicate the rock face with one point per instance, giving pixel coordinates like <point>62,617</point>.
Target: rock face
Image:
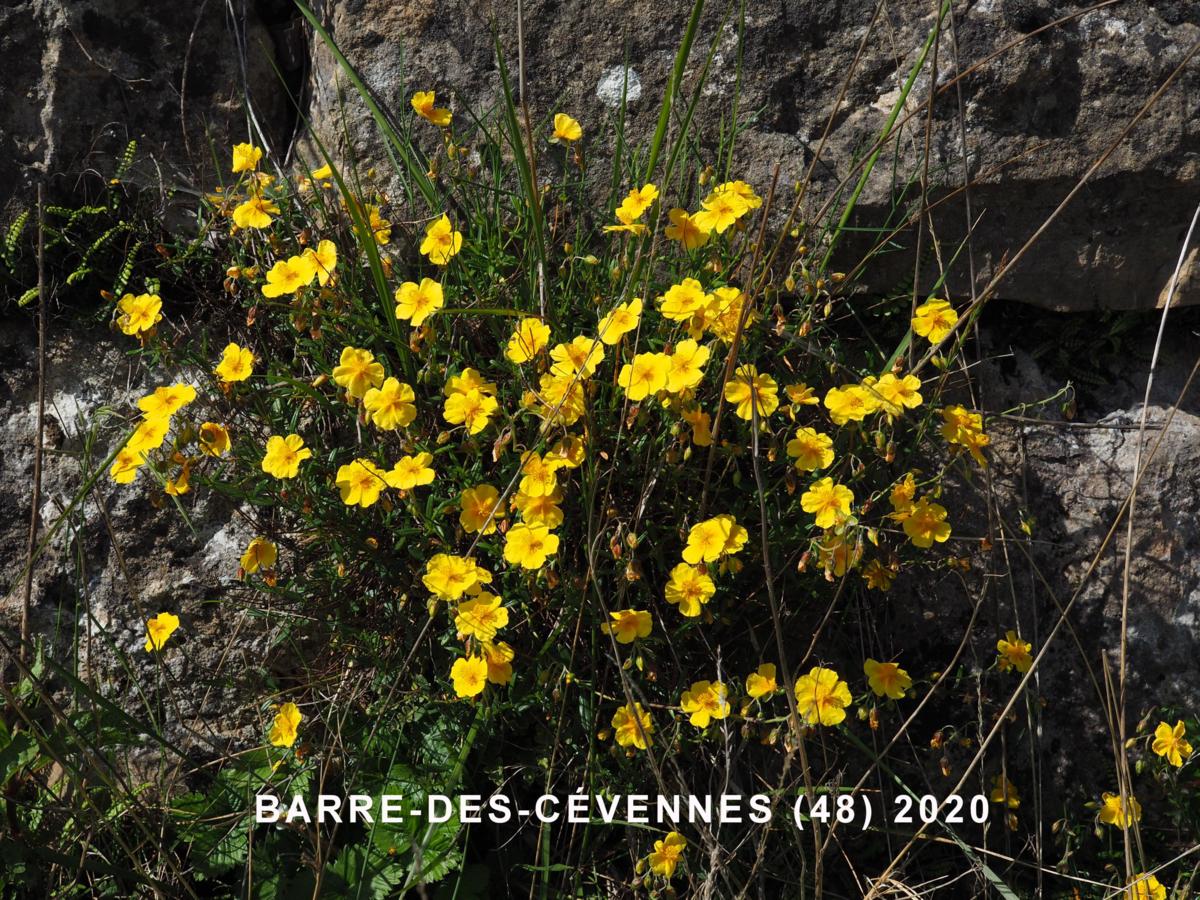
<point>123,556</point>
<point>80,80</point>
<point>1038,108</point>
<point>1068,480</point>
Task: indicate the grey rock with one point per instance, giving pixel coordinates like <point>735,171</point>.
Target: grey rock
<point>78,80</point>
<point>124,555</point>
<point>1039,107</point>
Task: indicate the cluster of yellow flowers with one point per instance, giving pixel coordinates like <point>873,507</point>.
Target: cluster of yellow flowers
<point>478,615</point>
<point>670,378</point>
<point>964,428</point>
<point>158,410</point>
<point>822,698</point>
<point>288,276</point>
<point>714,540</point>
<point>725,205</point>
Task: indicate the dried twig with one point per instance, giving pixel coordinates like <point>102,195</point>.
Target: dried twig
<point>36,500</point>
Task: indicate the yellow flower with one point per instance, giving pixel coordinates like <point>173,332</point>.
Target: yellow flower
<point>701,424</point>
<point>964,428</point>
<point>646,375</point>
<point>724,314</point>
<point>902,496</point>
<point>705,701</point>
<point>126,464</point>
<point>628,624</point>
<point>543,510</point>
<point>213,439</point>
<point>709,539</point>
<point>898,394</point>
<point>566,128</point>
<point>468,380</point>
<point>622,320</point>
<point>742,190</point>
<point>527,341</point>
<point>138,314</point>
<point>1171,744</point>
<point>1146,887</point>
<point>835,554</point>
<point>567,453</point>
<point>360,482</point>
<point>560,399</point>
<point>284,455</point>
<point>417,302</point>
<point>422,104</point>
<point>246,157</point>
<point>822,697</point>
<point>538,478</point>
<point>284,728</point>
<point>381,228</point>
<point>801,395</point>
<point>582,355</point>
<point>683,300</point>
<point>632,727</point>
<point>149,435</point>
<point>720,209</point>
<point>410,472</point>
<point>631,227</point>
<point>1004,791</point>
<point>686,230</point>
<point>449,577</point>
<point>478,504</point>
<point>636,202</point>
<point>166,400</point>
<point>499,658</point>
<point>290,275</point>
<point>850,403</point>
<point>878,576</point>
<point>159,629</point>
<point>255,213</point>
<point>1013,653</point>
<point>441,241</point>
<point>828,501</point>
<point>761,682</point>
<point>260,554</point>
<point>528,545</point>
<point>322,174</point>
<point>690,588</point>
<point>471,408</point>
<point>886,679</point>
<point>1113,813</point>
<point>358,371</point>
<point>469,675</point>
<point>481,617</point>
<point>237,364</point>
<point>706,541</point>
<point>667,854</point>
<point>934,319</point>
<point>925,523</point>
<point>685,367</point>
<point>390,406</point>
<point>323,259</point>
<point>812,449</point>
<point>748,390</point>
<point>178,486</point>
